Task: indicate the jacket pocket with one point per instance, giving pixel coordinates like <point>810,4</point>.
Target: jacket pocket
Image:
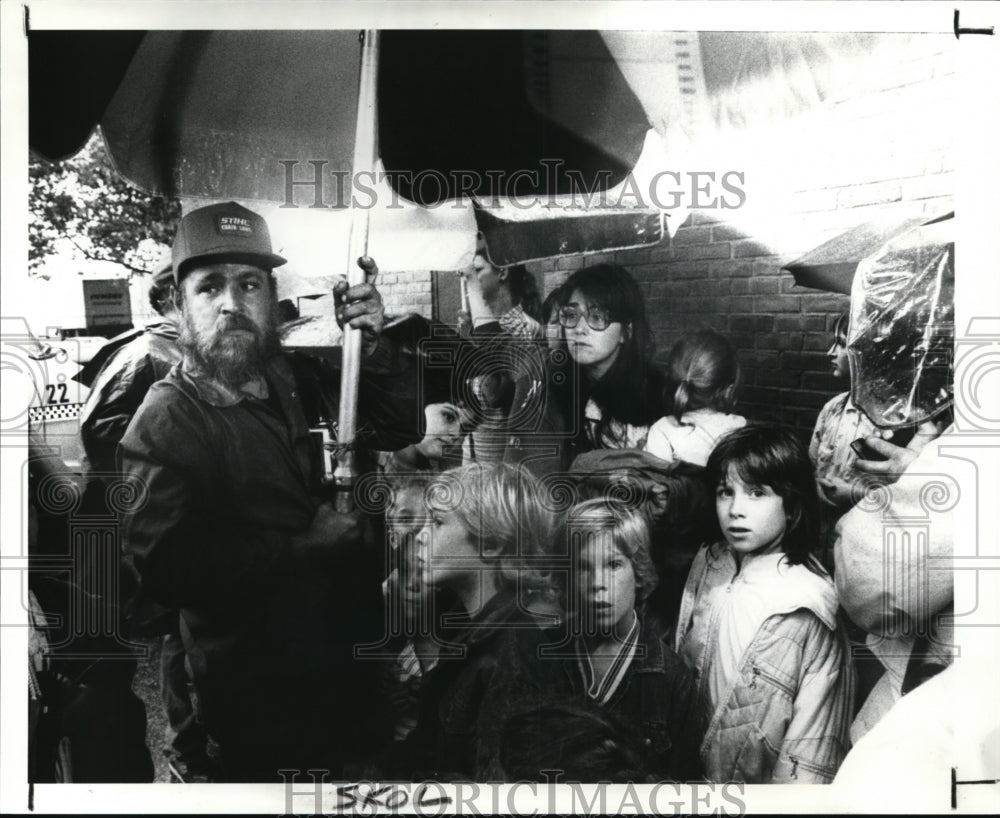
<point>756,759</point>
<point>761,674</point>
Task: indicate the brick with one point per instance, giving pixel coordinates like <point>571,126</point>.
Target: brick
<point>832,302</point>
<point>570,263</point>
<point>816,342</point>
<point>776,303</point>
<point>813,201</point>
<point>646,272</point>
<point>813,361</point>
<point>824,382</point>
<point>726,232</point>
<point>780,340</point>
<point>759,394</point>
<point>764,285</point>
<point>661,254</point>
<point>670,289</point>
<point>757,359</point>
<point>808,400</point>
<point>801,323</point>
<point>752,323</point>
<point>693,235</point>
<point>750,249</point>
<point>924,187</point>
<point>739,286</point>
<point>702,251</point>
<point>631,258</point>
<point>788,285</point>
<point>730,269</point>
<point>778,377</point>
<point>739,340</point>
<point>877,193</point>
<point>766,267</point>
<point>720,304</point>
<point>688,269</point>
<point>741,304</point>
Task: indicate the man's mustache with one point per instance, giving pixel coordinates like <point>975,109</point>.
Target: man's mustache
<point>234,321</point>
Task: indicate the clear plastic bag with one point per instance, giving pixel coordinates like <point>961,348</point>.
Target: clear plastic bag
<point>902,328</point>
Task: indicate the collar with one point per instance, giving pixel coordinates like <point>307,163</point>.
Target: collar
<point>218,394</point>
<point>602,690</point>
<point>164,329</point>
<point>786,587</point>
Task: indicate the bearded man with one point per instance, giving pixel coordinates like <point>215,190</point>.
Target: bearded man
<point>274,586</point>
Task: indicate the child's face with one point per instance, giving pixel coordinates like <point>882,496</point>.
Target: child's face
<point>446,551</point>
<point>444,429</point>
<point>407,513</point>
<point>752,518</point>
<point>838,357</point>
<point>605,584</point>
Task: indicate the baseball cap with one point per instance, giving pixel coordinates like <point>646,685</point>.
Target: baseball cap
<point>223,232</point>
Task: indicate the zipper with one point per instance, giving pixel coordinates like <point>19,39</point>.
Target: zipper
<point>763,674</point>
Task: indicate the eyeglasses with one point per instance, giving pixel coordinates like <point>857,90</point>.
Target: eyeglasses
<point>597,319</point>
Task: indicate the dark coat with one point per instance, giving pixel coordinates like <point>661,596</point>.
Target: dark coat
<point>656,704</point>
<point>269,629</point>
<point>483,674</point>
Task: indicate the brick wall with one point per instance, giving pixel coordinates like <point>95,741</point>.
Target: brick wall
<point>881,147</point>
<point>404,293</point>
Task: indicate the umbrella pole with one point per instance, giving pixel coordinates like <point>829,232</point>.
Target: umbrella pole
<point>364,161</point>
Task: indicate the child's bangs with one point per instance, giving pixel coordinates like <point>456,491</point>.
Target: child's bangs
<point>754,468</point>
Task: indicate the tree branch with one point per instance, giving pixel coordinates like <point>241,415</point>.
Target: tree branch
<point>97,257</point>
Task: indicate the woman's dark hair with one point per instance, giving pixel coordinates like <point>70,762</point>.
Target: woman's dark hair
<point>632,389</point>
<point>702,372</point>
<point>524,290</point>
<point>841,325</point>
<point>770,456</point>
<point>553,302</point>
<point>586,744</point>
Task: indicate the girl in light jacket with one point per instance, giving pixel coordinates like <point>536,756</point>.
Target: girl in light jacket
<point>758,621</point>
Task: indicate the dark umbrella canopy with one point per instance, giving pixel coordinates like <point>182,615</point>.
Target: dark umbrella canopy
<point>214,114</point>
<point>832,265</point>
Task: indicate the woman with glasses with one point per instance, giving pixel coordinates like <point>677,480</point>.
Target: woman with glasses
<point>600,388</point>
<point>618,392</point>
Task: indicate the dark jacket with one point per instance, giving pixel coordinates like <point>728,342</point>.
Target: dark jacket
<point>482,676</point>
<point>656,704</point>
<point>141,359</point>
<point>229,480</point>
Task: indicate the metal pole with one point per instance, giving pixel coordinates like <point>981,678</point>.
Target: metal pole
<point>364,161</point>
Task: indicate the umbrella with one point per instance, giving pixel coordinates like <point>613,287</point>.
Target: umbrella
<point>832,265</point>
<point>232,114</point>
<point>902,328</point>
<point>263,115</point>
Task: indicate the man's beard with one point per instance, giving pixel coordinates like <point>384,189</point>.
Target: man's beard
<point>230,358</point>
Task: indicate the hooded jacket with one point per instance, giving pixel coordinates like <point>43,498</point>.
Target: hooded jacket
<point>773,668</point>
